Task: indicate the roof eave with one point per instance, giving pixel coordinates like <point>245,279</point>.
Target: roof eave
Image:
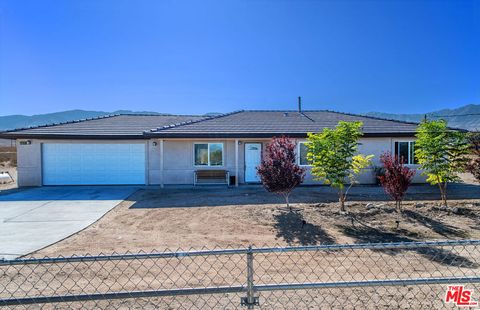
<point>13,135</point>
<point>260,135</point>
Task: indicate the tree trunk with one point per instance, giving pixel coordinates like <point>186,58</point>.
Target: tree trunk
<point>341,199</point>
<point>288,202</point>
<point>443,193</point>
<point>397,206</point>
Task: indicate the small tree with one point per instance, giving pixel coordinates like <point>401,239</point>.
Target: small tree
<point>332,156</point>
<point>396,178</point>
<point>278,170</point>
<point>441,153</point>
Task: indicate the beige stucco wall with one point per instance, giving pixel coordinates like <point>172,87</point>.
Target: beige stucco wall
<point>154,163</point>
<point>29,163</point>
<point>375,147</point>
<point>178,166</point>
<point>178,157</point>
<point>178,160</point>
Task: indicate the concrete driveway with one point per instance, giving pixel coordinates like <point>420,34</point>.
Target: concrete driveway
<point>33,218</point>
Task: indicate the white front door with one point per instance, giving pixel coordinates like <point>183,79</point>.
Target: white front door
<point>253,157</point>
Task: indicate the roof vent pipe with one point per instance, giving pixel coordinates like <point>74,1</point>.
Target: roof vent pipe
<point>299,104</point>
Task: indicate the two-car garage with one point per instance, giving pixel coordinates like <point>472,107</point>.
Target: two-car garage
<point>93,163</point>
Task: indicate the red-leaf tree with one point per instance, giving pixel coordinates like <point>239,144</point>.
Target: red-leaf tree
<point>278,170</point>
<point>397,178</point>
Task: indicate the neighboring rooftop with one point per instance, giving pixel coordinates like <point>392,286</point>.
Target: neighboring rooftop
<point>293,123</point>
<point>110,126</point>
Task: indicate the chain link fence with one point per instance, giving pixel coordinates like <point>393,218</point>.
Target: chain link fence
<point>384,275</point>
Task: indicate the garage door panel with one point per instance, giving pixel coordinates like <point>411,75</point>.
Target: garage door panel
<point>93,163</point>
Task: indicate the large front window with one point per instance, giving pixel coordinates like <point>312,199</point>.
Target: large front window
<point>302,154</point>
<point>405,150</point>
<point>208,154</point>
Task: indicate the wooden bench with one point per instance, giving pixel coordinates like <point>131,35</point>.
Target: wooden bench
<point>211,177</point>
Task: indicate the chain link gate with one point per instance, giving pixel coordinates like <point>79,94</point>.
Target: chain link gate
<point>382,275</point>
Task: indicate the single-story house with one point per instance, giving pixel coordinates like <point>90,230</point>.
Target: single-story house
<point>175,149</point>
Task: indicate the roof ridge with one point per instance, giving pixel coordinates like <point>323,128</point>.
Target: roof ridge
<point>284,111</point>
<point>338,112</point>
<point>63,123</point>
<point>352,114</point>
<point>206,118</point>
<point>388,119</point>
<point>158,114</point>
<point>145,114</point>
<point>373,117</point>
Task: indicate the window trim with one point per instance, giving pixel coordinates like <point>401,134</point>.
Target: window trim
<point>298,154</point>
<point>409,151</point>
<point>208,154</point>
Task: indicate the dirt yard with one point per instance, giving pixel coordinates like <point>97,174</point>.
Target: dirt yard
<point>8,155</point>
<point>224,218</point>
<point>196,218</point>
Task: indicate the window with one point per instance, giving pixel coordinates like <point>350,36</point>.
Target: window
<point>302,154</point>
<point>208,154</point>
<point>406,150</point>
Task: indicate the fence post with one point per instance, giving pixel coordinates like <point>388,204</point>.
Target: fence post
<point>250,297</point>
<point>250,301</point>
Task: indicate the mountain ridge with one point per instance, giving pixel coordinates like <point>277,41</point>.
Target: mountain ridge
<point>465,117</point>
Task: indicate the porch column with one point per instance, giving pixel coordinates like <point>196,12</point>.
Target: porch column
<point>162,182</point>
<point>236,162</point>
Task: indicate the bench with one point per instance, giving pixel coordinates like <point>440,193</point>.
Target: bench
<point>211,177</point>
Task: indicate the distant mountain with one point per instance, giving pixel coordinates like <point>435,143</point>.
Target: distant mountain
<point>466,117</point>
<point>22,121</point>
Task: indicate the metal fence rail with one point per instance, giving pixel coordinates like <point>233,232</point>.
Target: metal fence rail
<point>392,275</point>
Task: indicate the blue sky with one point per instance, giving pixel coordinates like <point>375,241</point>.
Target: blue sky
<point>219,56</point>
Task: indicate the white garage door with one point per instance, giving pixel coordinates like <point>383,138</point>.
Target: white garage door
<point>93,163</point>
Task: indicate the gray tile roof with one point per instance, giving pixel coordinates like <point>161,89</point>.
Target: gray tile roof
<point>241,124</point>
<point>293,123</point>
<point>111,126</point>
